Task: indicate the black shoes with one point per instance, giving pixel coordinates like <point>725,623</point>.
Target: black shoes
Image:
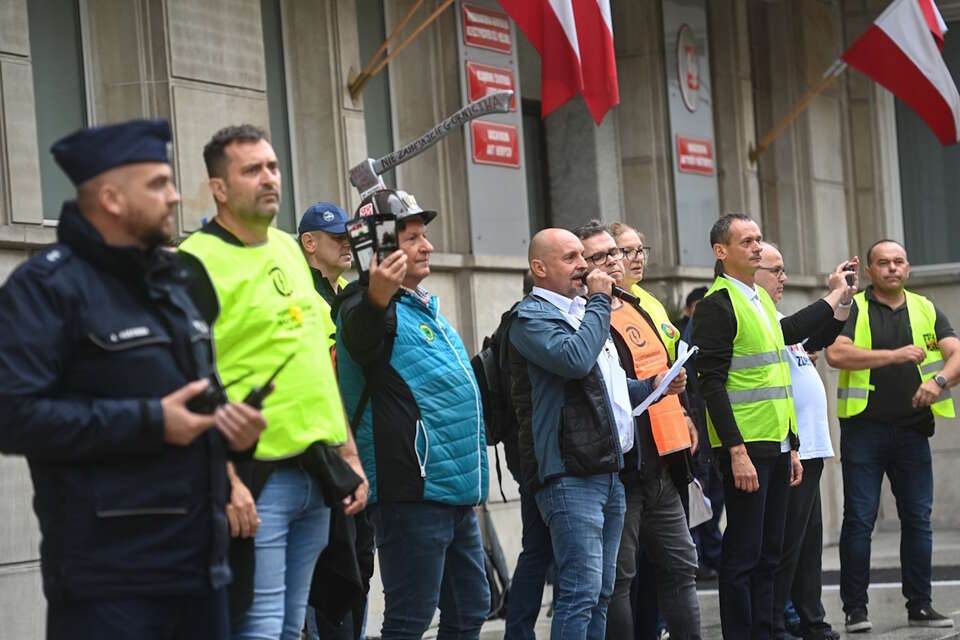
<point>857,621</point>
<point>927,617</point>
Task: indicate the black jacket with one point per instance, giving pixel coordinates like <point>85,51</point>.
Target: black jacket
<point>91,338</point>
<point>714,329</point>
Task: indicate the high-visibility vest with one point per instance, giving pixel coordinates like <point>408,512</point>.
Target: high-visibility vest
<point>853,389</point>
<point>669,334</point>
<point>758,382</point>
<point>667,421</point>
<point>270,309</point>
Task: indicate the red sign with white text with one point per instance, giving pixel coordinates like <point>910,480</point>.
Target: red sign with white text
<point>695,155</point>
<point>495,143</point>
<point>483,79</point>
<point>486,28</point>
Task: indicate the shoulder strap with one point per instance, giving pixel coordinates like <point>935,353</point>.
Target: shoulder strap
<point>370,372</point>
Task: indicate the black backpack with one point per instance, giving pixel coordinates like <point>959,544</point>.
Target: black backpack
<point>492,371</point>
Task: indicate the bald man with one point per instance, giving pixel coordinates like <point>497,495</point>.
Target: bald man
<point>573,402</point>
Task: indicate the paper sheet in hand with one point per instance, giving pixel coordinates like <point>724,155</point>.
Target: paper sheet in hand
<point>683,354</point>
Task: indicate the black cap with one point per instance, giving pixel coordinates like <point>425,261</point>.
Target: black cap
<point>696,294</point>
<point>87,153</point>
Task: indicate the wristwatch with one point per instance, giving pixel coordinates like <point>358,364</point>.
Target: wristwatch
<point>940,380</point>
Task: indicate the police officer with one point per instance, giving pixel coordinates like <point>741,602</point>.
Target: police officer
<point>101,350</point>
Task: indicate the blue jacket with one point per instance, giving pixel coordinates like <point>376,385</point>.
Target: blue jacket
<point>554,355</point>
<point>91,338</point>
<point>421,435</point>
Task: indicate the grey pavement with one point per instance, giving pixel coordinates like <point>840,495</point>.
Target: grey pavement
<point>887,611</point>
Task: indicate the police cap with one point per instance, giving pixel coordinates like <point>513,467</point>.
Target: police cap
<point>86,153</point>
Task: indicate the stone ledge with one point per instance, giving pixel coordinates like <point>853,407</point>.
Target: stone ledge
<point>27,236</point>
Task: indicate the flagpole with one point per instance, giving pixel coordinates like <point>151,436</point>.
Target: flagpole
<point>835,69</point>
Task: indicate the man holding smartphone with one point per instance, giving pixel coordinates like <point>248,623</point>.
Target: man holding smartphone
<point>414,404</point>
<point>898,357</point>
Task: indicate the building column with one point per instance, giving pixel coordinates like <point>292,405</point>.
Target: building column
<point>733,112</point>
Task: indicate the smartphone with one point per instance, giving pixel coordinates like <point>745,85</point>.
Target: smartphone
<point>361,237</point>
<point>849,276</point>
<point>386,230</point>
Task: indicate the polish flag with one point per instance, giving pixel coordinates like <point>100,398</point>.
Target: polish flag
<point>934,20</point>
<point>898,52</point>
<point>575,42</point>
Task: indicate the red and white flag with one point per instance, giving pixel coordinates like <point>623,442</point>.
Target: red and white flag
<point>575,41</point>
<point>901,51</point>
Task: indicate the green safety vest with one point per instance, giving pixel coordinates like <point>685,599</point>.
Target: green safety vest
<point>669,334</point>
<point>758,382</point>
<point>269,309</point>
<point>853,389</point>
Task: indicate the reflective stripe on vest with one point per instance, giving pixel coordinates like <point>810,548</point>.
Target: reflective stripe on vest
<point>667,422</point>
<point>758,381</point>
<point>269,309</point>
<point>669,334</point>
<point>853,388</point>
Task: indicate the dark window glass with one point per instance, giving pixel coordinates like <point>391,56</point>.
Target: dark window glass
<point>56,54</point>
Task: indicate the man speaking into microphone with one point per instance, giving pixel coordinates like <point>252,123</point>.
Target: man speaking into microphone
<point>654,518</point>
<point>574,404</point>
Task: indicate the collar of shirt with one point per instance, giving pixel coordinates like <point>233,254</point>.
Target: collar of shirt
<point>420,294</point>
<point>750,292</point>
<point>571,308</point>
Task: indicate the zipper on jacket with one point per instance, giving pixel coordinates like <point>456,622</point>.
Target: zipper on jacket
<point>476,400</point>
<point>422,463</point>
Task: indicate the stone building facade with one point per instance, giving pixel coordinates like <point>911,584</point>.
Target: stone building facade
<point>854,167</point>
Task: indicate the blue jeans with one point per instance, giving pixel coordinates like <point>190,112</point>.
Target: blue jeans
<point>867,451</point>
<point>430,555</point>
<point>294,528</point>
<point>585,517</point>
<point>526,587</point>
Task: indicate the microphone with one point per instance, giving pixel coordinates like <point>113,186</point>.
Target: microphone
<point>619,292</point>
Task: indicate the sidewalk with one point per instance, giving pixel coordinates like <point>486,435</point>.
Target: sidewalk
<point>887,611</point>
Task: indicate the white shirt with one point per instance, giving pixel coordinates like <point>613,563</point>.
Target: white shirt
<point>614,377</point>
<point>750,293</point>
<point>810,400</point>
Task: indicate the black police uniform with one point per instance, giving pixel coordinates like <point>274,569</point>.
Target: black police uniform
<point>134,532</point>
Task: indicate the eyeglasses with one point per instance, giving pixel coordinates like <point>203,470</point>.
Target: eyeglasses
<point>602,258</point>
<point>631,254</point>
<point>776,271</point>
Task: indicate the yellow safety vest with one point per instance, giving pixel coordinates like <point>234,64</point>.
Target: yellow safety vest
<point>669,334</point>
<point>269,309</point>
<point>853,389</point>
<point>758,382</point>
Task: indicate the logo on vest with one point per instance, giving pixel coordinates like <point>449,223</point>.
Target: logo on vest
<point>633,335</point>
<point>427,332</point>
<point>280,282</point>
<point>930,340</point>
<point>668,330</point>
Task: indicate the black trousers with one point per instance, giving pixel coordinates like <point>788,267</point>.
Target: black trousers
<point>196,617</point>
<point>798,576</point>
<point>752,543</point>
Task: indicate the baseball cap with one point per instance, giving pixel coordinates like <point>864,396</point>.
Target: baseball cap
<point>324,216</point>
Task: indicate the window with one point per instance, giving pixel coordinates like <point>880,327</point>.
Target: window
<point>376,94</point>
<point>272,15</point>
<point>928,180</point>
<point>535,163</point>
<point>56,52</point>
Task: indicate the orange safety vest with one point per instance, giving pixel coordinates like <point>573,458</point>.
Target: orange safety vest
<point>667,421</point>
